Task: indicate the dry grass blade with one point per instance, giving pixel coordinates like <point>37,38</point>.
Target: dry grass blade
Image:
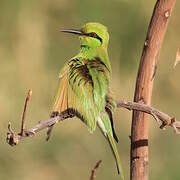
<point>177,57</point>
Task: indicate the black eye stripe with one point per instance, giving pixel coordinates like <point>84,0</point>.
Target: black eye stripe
<point>94,35</point>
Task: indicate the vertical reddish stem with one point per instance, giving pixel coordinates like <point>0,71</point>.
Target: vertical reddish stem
<point>144,86</point>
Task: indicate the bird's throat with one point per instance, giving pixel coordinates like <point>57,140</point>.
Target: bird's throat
<point>88,52</point>
<point>84,47</point>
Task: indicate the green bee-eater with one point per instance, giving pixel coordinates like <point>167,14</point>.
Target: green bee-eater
<point>83,87</point>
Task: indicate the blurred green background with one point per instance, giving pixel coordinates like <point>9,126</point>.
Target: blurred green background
<point>32,51</point>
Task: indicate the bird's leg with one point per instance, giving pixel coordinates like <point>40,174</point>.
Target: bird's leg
<point>50,128</point>
<point>67,114</point>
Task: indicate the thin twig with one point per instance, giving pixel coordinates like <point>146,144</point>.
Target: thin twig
<point>24,112</point>
<point>158,115</point>
<point>156,118</point>
<point>93,172</point>
<point>13,139</point>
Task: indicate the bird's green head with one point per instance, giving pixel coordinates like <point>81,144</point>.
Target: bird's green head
<point>92,35</point>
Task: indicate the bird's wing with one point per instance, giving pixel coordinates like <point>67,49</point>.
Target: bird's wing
<point>82,88</point>
<point>100,75</point>
<point>110,108</point>
<point>88,80</point>
<point>61,99</point>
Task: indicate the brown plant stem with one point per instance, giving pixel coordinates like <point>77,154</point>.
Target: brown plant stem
<point>93,172</point>
<point>24,112</point>
<point>144,86</point>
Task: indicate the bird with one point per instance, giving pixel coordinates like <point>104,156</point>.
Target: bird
<point>83,88</point>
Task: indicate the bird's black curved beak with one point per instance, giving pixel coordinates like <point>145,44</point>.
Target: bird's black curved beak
<point>73,31</point>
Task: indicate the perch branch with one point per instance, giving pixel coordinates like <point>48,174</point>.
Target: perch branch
<point>93,172</point>
<point>13,139</point>
<point>166,120</point>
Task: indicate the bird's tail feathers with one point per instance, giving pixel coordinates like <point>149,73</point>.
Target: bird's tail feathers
<point>115,153</point>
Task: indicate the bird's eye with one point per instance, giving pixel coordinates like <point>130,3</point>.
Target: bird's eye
<point>93,34</point>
